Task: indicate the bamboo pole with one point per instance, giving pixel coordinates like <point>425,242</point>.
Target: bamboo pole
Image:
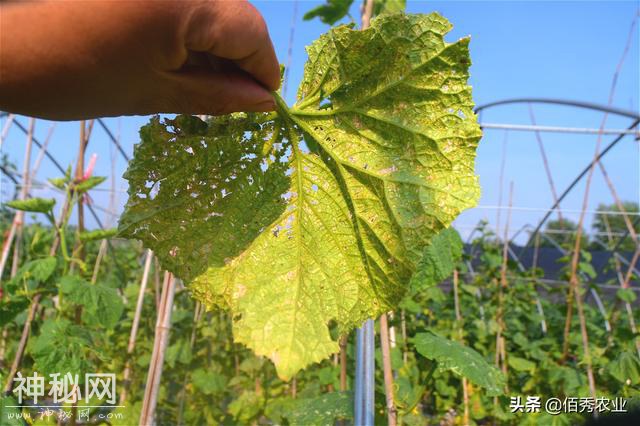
<point>197,315</point>
<point>501,356</point>
<point>17,360</point>
<point>624,283</point>
<point>403,330</point>
<point>15,231</point>
<point>625,217</point>
<point>343,363</point>
<point>24,191</point>
<point>42,152</point>
<point>5,128</point>
<point>500,343</point>
<point>392,414</point>
<point>545,162</point>
<point>574,289</point>
<point>134,326</point>
<point>102,251</point>
<point>156,283</point>
<point>456,302</point>
<point>161,340</point>
<point>503,159</point>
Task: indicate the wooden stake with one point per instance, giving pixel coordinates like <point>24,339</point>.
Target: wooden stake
<point>456,303</point>
<point>392,413</point>
<point>18,219</point>
<point>161,340</point>
<point>134,326</point>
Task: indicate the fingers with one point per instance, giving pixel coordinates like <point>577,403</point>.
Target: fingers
<point>202,92</point>
<point>235,30</point>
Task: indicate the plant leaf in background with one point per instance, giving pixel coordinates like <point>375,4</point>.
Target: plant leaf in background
<point>35,205</point>
<point>626,295</point>
<point>625,368</point>
<point>438,260</point>
<point>90,183</point>
<point>62,347</point>
<point>331,12</point>
<point>32,273</point>
<point>315,411</point>
<point>98,234</point>
<point>9,309</point>
<point>38,269</point>
<point>375,158</point>
<point>461,360</point>
<point>103,305</point>
<point>389,6</point>
<point>521,364</point>
<point>10,415</point>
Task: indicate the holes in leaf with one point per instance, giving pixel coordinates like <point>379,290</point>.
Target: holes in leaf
<point>325,104</point>
<point>388,170</point>
<point>155,189</point>
<point>302,145</point>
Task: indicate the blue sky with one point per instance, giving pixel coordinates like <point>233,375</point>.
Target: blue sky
<point>519,49</point>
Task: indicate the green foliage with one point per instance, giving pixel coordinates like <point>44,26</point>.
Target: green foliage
<point>615,224</point>
<point>222,382</point>
<point>521,364</point>
<point>389,6</point>
<point>626,368</point>
<point>626,295</point>
<point>9,415</point>
<point>38,269</point>
<point>98,234</point>
<point>246,407</point>
<point>103,305</point>
<point>32,275</point>
<point>208,382</point>
<point>9,309</point>
<point>334,10</point>
<point>60,183</point>
<point>316,411</point>
<point>188,198</point>
<point>62,347</point>
<point>439,259</point>
<point>563,233</point>
<point>89,183</point>
<point>330,12</point>
<point>36,205</point>
<point>461,360</point>
<point>341,227</point>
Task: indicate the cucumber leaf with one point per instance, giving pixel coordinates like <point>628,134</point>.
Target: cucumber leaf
<point>321,212</point>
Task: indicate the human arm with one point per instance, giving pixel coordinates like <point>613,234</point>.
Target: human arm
<point>70,60</point>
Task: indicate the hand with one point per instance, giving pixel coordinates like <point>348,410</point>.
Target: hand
<point>71,60</point>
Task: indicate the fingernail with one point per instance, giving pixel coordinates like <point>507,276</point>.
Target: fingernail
<point>265,106</point>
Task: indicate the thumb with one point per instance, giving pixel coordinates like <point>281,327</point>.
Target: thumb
<point>217,93</point>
